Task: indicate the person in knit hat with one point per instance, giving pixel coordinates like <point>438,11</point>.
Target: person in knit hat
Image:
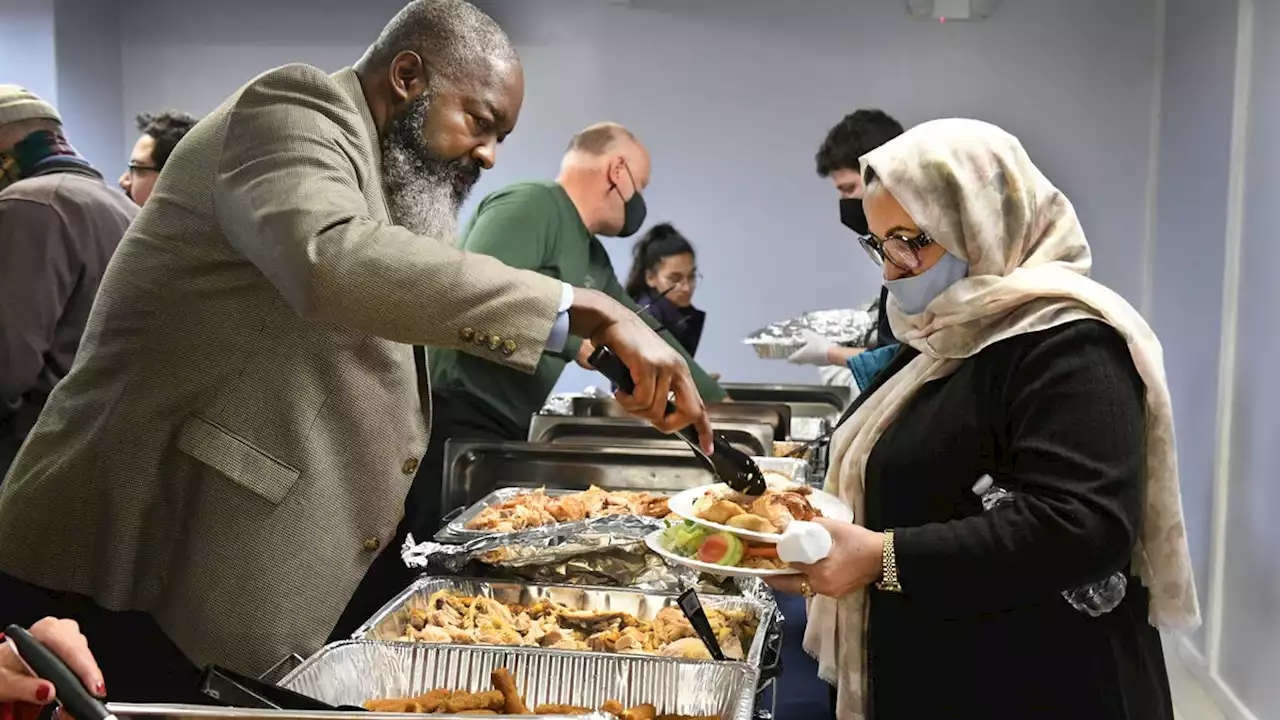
<point>59,224</point>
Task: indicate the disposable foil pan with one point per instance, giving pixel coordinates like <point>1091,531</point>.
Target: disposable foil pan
<point>213,712</point>
<point>778,340</point>
<point>387,623</point>
<point>353,672</point>
<point>456,530</point>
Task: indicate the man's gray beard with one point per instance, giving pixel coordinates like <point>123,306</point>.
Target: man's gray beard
<point>419,187</point>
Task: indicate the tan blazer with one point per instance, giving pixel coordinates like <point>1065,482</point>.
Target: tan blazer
<point>237,436</point>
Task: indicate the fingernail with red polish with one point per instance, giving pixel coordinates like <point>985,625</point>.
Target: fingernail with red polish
<point>42,694</point>
<point>100,689</point>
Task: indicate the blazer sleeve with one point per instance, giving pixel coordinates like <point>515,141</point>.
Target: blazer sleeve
<point>288,197</point>
<point>1075,418</point>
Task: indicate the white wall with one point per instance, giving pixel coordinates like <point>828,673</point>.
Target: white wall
<point>1249,661</point>
<point>733,98</point>
<point>27,47</point>
<point>1191,216</point>
<point>1214,294</point>
<point>90,83</point>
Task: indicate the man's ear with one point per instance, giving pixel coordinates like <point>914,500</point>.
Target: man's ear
<point>409,76</point>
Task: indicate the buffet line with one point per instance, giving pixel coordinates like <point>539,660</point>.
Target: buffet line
<point>596,571</point>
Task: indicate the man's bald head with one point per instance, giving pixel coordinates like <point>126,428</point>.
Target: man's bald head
<point>454,37</point>
<point>604,166</point>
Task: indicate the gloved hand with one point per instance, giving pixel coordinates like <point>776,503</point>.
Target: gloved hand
<point>815,350</point>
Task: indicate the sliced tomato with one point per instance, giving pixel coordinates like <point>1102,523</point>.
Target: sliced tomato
<point>761,551</point>
<point>713,549</point>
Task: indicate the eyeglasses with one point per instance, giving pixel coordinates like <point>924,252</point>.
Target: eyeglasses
<point>681,279</point>
<point>135,169</point>
<point>900,249</point>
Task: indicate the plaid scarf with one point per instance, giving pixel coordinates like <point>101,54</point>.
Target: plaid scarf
<point>41,151</point>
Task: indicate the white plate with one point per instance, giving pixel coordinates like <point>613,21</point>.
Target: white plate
<point>683,503</point>
<point>654,541</point>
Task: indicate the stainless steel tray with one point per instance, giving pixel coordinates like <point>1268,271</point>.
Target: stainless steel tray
<point>775,415</point>
<point>836,396</point>
<point>474,469</point>
<point>213,712</point>
<point>386,624</point>
<point>355,671</point>
<point>751,438</point>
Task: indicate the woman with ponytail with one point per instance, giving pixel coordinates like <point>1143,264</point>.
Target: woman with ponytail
<point>664,274</point>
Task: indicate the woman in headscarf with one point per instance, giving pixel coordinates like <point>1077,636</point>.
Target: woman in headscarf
<point>1017,367</point>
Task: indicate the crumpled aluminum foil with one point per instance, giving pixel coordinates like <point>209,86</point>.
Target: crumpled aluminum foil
<point>562,404</point>
<point>852,326</point>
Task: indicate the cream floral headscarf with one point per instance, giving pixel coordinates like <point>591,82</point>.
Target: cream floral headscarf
<point>973,188</point>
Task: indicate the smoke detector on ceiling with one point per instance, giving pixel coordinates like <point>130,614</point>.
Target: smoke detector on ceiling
<point>951,10</point>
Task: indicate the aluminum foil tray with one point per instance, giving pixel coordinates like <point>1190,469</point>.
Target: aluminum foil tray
<point>213,712</point>
<point>780,339</point>
<point>456,530</point>
<point>355,671</point>
<point>385,625</point>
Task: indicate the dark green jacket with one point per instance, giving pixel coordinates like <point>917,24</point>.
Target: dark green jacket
<point>535,226</point>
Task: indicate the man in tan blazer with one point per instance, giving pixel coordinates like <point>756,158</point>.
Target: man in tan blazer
<point>236,439</point>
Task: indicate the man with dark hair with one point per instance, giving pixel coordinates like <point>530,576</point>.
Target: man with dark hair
<point>59,225</point>
<point>857,134</point>
<point>212,480</point>
<point>160,135</point>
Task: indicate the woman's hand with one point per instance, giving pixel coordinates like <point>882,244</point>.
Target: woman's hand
<point>854,562</point>
<point>18,686</point>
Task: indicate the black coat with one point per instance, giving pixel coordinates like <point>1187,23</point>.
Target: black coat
<point>981,630</point>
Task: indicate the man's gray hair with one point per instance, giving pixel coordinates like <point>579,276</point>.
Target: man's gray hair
<point>454,37</point>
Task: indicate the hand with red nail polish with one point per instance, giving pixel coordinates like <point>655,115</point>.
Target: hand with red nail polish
<point>21,694</point>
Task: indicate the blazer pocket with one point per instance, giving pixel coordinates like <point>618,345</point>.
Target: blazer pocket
<point>246,465</point>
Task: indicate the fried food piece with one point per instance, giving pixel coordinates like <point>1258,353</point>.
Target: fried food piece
<point>427,702</point>
<point>754,523</point>
<point>688,717</point>
<point>561,710</point>
<point>512,703</point>
<point>641,712</point>
<point>720,511</point>
<point>461,702</point>
<point>613,707</point>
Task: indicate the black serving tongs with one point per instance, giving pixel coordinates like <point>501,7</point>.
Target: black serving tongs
<point>734,467</point>
<point>231,689</point>
<point>70,691</point>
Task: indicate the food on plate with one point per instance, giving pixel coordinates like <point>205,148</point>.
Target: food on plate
<point>504,699</point>
<point>535,508</point>
<point>449,618</point>
<point>782,503</point>
<point>691,540</point>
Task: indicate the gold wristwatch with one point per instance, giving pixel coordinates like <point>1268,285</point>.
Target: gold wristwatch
<point>889,567</point>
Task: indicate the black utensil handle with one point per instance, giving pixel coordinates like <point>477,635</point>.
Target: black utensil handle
<point>232,689</point>
<point>692,608</point>
<point>72,694</point>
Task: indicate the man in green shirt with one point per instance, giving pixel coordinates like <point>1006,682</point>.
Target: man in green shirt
<point>549,227</point>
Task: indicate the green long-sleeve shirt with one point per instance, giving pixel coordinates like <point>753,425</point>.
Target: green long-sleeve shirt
<point>535,226</point>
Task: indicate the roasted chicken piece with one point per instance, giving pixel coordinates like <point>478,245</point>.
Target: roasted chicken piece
<point>754,523</point>
<point>670,625</point>
<point>780,509</point>
<point>691,648</point>
<point>721,511</point>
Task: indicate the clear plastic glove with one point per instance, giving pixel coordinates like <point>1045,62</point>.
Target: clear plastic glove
<point>815,351</point>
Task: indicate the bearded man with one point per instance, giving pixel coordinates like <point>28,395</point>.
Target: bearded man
<point>236,440</point>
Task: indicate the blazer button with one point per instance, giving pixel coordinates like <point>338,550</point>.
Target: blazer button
<point>371,544</point>
<point>495,342</point>
<point>482,339</point>
<point>467,334</point>
<point>409,467</point>
<point>509,348</point>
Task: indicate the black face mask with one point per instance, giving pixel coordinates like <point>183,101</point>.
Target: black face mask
<point>633,209</point>
<point>853,216</point>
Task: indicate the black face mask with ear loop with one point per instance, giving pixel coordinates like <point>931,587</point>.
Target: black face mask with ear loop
<point>633,208</point>
<point>853,216</point>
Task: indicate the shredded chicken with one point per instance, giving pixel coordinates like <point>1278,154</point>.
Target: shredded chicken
<point>453,619</point>
<point>535,508</point>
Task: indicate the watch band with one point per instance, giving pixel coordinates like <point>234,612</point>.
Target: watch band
<point>889,566</point>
